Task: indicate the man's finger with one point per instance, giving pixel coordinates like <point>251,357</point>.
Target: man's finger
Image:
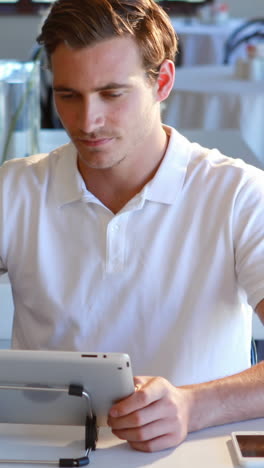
<point>145,394</point>
<point>144,416</point>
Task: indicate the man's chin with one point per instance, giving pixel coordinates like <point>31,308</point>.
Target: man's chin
<point>98,161</point>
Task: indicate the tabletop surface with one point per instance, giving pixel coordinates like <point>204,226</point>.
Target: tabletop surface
<point>208,448</point>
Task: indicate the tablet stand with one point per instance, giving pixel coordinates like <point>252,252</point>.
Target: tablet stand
<point>90,425</point>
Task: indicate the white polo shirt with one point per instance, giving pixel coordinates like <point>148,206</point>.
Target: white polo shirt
<point>168,279</point>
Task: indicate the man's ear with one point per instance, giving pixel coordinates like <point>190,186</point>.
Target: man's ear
<point>165,80</point>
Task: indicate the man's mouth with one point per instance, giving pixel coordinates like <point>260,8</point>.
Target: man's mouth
<point>94,142</point>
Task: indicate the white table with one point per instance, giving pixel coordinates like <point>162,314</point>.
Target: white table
<point>203,43</point>
<point>208,448</point>
<point>211,98</point>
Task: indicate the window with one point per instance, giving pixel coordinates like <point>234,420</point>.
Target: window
<point>22,6</point>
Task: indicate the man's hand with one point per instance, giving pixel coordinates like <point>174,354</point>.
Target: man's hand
<point>159,415</point>
<point>155,417</point>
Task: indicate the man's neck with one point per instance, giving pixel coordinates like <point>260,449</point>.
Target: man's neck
<point>115,186</point>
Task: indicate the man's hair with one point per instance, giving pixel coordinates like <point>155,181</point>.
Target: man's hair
<point>81,23</point>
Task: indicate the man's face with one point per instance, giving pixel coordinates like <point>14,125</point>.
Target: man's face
<point>105,101</point>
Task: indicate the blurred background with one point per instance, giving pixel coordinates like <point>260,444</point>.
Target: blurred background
<point>19,23</point>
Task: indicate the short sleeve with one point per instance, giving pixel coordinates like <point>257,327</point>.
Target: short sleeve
<point>248,229</point>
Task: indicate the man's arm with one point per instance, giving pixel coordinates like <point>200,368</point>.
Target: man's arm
<point>159,415</point>
<point>260,310</point>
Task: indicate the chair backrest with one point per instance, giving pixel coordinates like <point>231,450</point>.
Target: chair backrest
<point>253,352</point>
<point>250,31</point>
<point>49,116</point>
<point>179,55</point>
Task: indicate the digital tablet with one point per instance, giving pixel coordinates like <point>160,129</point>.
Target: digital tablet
<point>106,377</point>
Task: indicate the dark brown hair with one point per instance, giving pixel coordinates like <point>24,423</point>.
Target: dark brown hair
<point>80,23</point>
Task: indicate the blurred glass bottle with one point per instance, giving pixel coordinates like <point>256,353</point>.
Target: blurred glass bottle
<point>19,109</point>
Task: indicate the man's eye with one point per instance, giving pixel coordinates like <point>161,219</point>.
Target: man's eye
<point>113,95</point>
<point>65,96</point>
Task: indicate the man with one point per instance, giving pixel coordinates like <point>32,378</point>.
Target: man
<point>133,239</point>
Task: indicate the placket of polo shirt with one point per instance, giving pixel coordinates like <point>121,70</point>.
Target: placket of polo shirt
<point>117,235</point>
<point>115,243</point>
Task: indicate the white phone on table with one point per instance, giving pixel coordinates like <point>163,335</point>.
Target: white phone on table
<point>249,447</point>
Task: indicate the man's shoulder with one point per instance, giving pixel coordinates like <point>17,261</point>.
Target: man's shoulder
<point>37,166</point>
<point>20,163</point>
<point>207,171</point>
<point>211,159</point>
<point>214,163</point>
<point>226,178</point>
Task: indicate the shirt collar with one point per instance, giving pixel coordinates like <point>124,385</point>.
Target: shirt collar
<point>163,188</point>
<point>169,179</point>
<point>69,184</point>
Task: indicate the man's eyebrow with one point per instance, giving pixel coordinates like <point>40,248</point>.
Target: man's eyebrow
<point>114,86</point>
<point>62,89</point>
<point>106,87</point>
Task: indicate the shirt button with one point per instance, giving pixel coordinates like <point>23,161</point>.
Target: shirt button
<point>115,228</point>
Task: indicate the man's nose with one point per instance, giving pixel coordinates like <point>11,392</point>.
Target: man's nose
<point>91,115</point>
